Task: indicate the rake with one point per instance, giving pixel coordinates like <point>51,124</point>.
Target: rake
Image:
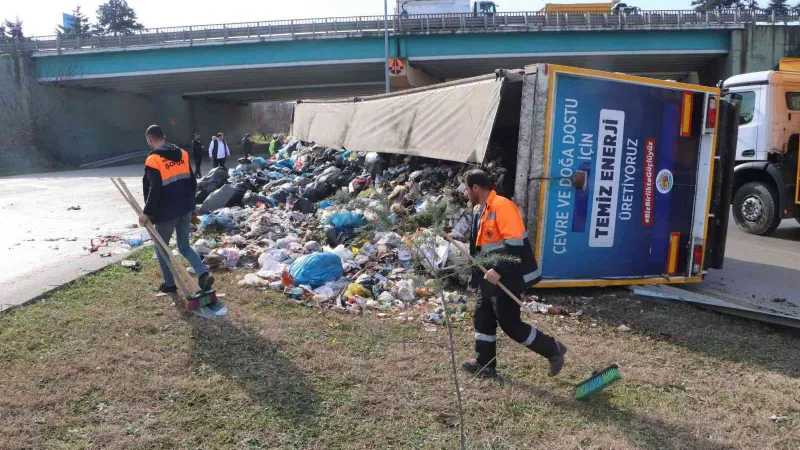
<point>598,381</point>
<point>195,296</point>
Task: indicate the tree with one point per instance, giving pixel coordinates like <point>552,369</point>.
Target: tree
<point>3,34</point>
<point>14,29</point>
<point>79,25</point>
<point>706,5</point>
<point>778,6</point>
<point>116,17</point>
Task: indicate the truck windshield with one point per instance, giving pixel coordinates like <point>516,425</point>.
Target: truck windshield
<point>793,101</point>
<point>747,104</point>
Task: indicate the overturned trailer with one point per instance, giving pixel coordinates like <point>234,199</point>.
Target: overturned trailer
<point>657,155</point>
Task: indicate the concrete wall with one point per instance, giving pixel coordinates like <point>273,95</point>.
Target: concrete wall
<point>47,125</point>
<point>211,117</point>
<point>753,49</point>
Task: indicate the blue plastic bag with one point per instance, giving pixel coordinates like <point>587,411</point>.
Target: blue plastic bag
<point>325,204</point>
<point>276,175</point>
<point>286,162</point>
<point>216,221</point>
<point>346,221</point>
<point>316,269</point>
<point>261,162</point>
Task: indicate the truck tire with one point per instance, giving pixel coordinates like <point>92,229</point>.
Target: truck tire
<point>755,208</point>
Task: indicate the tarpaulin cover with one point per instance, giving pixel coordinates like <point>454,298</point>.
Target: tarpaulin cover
<point>452,123</point>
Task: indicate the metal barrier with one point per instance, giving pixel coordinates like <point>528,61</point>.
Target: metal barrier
<point>406,24</point>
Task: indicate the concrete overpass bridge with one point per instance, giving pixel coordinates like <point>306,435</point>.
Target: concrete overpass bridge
<point>345,56</point>
<point>99,92</point>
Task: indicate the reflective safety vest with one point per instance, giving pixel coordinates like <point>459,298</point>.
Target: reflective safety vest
<point>171,171</point>
<point>500,229</point>
<point>175,195</point>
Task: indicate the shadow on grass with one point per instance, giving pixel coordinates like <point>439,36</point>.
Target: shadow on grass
<point>259,366</point>
<point>730,338</point>
<point>641,430</point>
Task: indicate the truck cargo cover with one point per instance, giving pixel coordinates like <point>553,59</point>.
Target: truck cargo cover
<point>452,122</point>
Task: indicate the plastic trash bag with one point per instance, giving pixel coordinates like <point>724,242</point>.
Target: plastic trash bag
<point>374,164</point>
<point>227,195</point>
<point>346,221</point>
<point>216,221</point>
<point>313,247</point>
<point>252,199</point>
<point>259,161</point>
<point>276,255</point>
<point>355,289</point>
<point>342,252</point>
<point>316,269</point>
<point>286,162</point>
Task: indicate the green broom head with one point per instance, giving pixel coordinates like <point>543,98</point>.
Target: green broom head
<point>597,382</point>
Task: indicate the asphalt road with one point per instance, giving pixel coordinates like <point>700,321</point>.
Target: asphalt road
<point>759,271</point>
<point>42,241</point>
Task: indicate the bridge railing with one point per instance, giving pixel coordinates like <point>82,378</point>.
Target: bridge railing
<point>404,24</point>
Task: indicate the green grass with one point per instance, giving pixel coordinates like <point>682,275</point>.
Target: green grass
<point>104,363</point>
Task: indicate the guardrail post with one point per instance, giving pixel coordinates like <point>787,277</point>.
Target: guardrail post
<point>58,44</point>
<point>77,41</point>
<point>462,22</point>
<point>335,26</point>
<point>225,32</point>
<point>428,25</point>
<point>485,22</point>
<point>588,19</point>
<point>269,29</point>
<point>444,25</point>
<point>291,27</point>
<point>313,27</point>
<point>773,16</point>
<point>525,19</point>
<point>191,35</point>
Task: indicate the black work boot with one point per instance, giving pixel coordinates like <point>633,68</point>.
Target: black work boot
<point>551,349</point>
<point>474,367</point>
<point>164,289</point>
<point>206,281</point>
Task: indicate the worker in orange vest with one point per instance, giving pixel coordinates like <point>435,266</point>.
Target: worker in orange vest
<point>169,187</point>
<point>497,228</point>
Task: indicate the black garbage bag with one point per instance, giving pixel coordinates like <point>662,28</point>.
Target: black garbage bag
<point>227,195</point>
<point>317,190</point>
<point>304,206</point>
<point>329,175</point>
<point>346,176</point>
<point>214,179</point>
<point>252,199</point>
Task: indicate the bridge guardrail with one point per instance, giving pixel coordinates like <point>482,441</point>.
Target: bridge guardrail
<point>405,24</point>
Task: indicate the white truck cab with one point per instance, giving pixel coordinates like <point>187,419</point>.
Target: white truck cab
<point>766,172</point>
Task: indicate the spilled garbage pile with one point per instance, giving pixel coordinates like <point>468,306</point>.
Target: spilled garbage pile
<point>342,230</point>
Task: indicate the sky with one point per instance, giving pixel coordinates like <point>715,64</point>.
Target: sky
<point>40,17</point>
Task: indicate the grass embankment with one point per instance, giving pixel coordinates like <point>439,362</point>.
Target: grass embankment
<point>105,363</point>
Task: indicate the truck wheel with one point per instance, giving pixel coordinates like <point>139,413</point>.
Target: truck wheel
<point>755,208</point>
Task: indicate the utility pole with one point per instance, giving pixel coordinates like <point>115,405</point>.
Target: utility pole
<point>386,42</point>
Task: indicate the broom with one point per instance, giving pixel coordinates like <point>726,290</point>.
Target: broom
<point>195,296</point>
<point>598,381</point>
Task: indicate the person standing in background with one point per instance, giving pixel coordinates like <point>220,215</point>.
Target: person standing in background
<point>219,151</point>
<point>197,154</point>
<point>273,146</point>
<point>247,145</point>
